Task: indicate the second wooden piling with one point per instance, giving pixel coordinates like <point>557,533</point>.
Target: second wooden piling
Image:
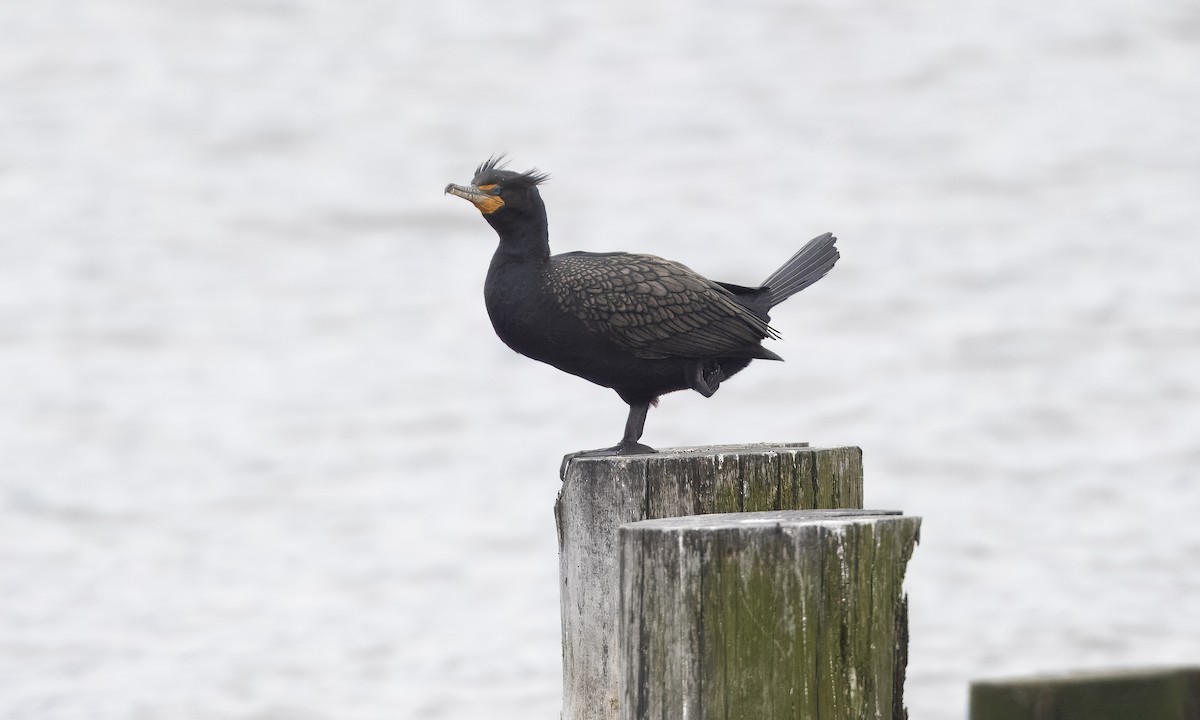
<point>768,615</point>
<point>1145,694</point>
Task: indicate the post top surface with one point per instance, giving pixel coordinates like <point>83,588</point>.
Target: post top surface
<point>770,518</point>
<point>1091,676</point>
<point>683,453</point>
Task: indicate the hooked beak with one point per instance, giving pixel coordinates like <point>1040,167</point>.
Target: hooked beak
<point>479,197</point>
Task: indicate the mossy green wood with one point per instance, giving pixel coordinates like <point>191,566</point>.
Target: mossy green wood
<point>766,615</point>
<point>601,493</point>
<point>744,600</point>
<point>1156,694</point>
<point>837,463</point>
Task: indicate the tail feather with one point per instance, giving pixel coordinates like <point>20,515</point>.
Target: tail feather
<point>804,268</point>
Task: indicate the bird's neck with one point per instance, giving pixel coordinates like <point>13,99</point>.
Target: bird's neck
<point>527,241</point>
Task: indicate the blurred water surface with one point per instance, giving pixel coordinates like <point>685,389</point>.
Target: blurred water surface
<point>261,456</point>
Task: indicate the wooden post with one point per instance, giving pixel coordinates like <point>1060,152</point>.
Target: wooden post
<point>776,615</point>
<point>1155,694</point>
<point>600,494</point>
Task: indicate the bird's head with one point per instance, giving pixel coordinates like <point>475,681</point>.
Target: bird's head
<point>503,196</point>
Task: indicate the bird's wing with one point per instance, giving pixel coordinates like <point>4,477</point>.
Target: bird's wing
<point>655,307</point>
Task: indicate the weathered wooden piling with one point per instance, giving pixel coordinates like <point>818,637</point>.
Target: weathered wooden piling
<point>766,615</point>
<point>600,494</point>
<point>1148,694</point>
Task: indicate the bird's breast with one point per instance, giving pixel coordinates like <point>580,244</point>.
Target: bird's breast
<point>530,318</point>
<point>520,309</point>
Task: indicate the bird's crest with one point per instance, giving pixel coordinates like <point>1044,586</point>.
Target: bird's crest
<point>493,170</point>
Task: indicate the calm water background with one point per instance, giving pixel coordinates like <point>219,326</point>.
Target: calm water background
<point>262,458</point>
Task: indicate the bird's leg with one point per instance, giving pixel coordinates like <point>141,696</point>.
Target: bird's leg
<point>629,444</point>
<point>634,424</point>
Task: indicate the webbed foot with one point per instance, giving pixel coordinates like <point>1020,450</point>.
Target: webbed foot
<point>707,377</point>
<point>624,448</point>
<point>629,444</point>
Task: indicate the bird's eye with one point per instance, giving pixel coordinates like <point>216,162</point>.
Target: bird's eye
<point>489,187</point>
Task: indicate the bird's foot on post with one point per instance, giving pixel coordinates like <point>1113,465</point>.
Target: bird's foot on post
<point>629,444</point>
<point>632,448</point>
<point>624,448</point>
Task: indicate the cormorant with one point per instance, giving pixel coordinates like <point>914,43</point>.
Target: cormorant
<point>638,324</point>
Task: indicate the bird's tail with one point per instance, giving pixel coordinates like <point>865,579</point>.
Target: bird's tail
<point>804,268</point>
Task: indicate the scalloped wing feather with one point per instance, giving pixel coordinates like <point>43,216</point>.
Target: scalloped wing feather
<point>655,307</point>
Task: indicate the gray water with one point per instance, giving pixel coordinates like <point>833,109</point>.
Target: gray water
<point>261,457</point>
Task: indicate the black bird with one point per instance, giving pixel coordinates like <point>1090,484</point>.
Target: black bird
<point>638,324</point>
